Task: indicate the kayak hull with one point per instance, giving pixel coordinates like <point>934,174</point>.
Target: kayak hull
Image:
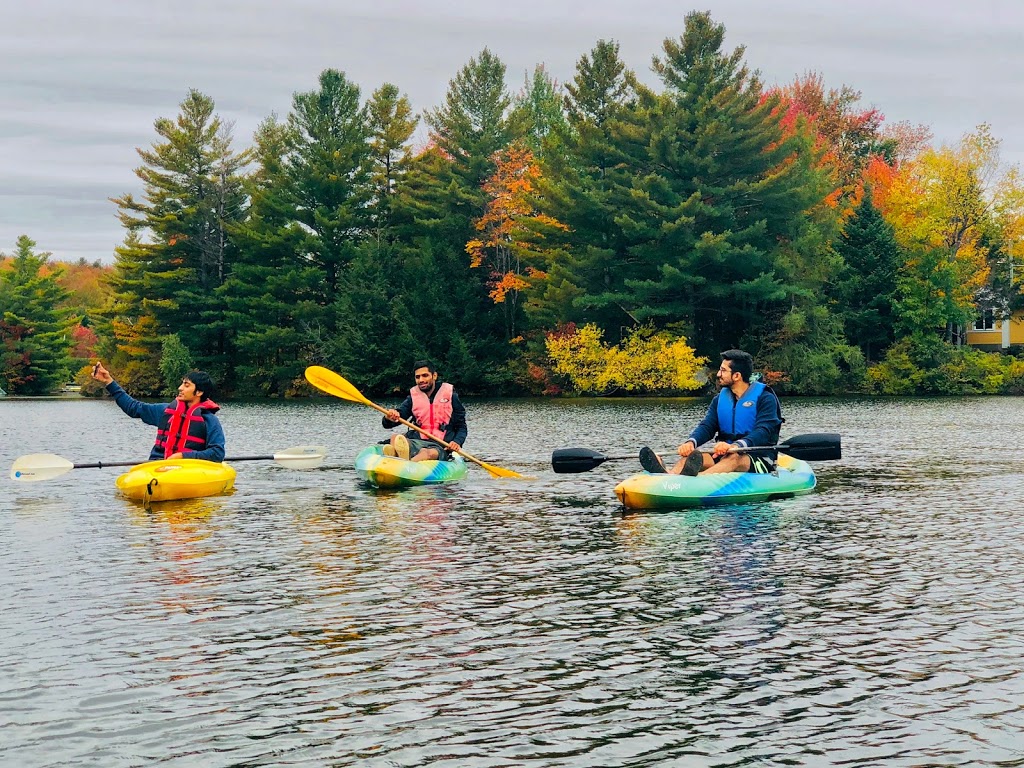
<point>382,471</point>
<point>173,479</point>
<point>660,491</point>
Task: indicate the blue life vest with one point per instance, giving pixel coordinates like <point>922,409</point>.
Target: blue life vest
<point>737,418</point>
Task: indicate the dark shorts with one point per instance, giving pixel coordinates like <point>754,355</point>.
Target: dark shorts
<point>416,445</point>
<point>760,465</point>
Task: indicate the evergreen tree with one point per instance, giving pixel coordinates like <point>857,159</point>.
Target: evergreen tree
<point>434,210</point>
<point>179,251</point>
<point>35,340</point>
<point>326,171</point>
<point>130,334</point>
<point>391,125</point>
<point>716,222</point>
<point>539,110</point>
<point>273,304</point>
<point>584,183</point>
<point>866,286</point>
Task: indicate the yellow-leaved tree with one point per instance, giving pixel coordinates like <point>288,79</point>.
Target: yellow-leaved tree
<point>943,206</point>
<point>645,362</point>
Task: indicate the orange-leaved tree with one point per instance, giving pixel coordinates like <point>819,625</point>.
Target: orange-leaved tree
<point>511,243</point>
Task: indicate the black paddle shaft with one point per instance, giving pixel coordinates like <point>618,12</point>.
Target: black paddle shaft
<point>821,446</point>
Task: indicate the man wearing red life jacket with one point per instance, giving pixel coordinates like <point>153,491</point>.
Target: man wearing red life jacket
<point>187,428</point>
<point>436,408</point>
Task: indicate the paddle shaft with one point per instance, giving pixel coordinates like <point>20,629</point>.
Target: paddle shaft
<point>427,433</point>
<point>754,449</point>
<point>811,447</point>
<point>102,464</point>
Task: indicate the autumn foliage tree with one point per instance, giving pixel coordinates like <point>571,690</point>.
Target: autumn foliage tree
<point>511,261</point>
<point>646,361</point>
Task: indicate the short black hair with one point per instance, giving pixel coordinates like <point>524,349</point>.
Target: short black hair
<point>424,364</point>
<point>204,383</point>
<point>741,362</point>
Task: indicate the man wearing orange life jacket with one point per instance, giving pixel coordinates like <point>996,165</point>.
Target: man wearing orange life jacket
<point>186,428</point>
<point>434,407</point>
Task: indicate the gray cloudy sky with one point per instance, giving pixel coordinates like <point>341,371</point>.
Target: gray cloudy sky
<point>82,82</point>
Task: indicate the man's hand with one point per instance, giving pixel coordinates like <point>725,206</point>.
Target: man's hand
<point>721,449</point>
<point>453,446</point>
<point>175,456</point>
<point>101,374</point>
<point>686,449</point>
<point>393,415</point>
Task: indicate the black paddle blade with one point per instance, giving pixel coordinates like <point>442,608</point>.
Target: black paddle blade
<point>820,446</point>
<point>573,460</point>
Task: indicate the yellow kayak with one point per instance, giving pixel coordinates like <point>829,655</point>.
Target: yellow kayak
<point>172,479</point>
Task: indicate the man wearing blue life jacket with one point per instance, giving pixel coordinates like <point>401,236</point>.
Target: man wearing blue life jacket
<point>187,428</point>
<point>741,415</point>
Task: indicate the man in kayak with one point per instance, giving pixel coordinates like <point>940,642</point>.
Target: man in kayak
<point>436,408</point>
<point>741,415</point>
<point>187,428</point>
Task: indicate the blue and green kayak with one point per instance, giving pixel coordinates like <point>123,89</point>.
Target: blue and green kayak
<point>660,491</point>
<point>382,471</point>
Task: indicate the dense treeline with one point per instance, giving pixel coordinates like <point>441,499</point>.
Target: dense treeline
<point>599,236</point>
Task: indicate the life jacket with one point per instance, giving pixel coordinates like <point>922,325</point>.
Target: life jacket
<point>433,415</point>
<point>736,418</point>
<point>183,429</point>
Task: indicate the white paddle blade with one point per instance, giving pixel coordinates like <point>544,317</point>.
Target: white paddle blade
<point>302,456</point>
<point>39,466</point>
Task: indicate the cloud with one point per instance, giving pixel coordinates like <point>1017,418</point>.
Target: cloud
<point>83,82</point>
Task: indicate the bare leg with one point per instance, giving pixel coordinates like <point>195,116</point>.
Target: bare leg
<point>731,462</point>
<point>427,454</point>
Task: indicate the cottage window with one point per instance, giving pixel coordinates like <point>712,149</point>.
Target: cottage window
<point>986,321</point>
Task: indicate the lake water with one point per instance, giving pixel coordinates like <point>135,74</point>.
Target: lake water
<point>308,620</point>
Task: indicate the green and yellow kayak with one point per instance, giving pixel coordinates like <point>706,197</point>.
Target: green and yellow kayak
<point>382,471</point>
<point>660,491</point>
<point>173,479</point>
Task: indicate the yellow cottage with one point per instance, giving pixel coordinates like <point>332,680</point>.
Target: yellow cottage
<point>992,333</point>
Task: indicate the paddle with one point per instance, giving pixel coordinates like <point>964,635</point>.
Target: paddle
<point>821,446</point>
<point>46,466</point>
<point>334,384</point>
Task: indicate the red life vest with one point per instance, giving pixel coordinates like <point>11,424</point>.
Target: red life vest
<point>433,415</point>
<point>183,429</point>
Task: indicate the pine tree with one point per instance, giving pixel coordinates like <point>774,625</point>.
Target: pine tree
<point>391,125</point>
<point>584,184</point>
<point>180,250</point>
<point>35,334</point>
<point>538,111</point>
<point>866,286</point>
<point>717,221</point>
<point>273,305</point>
<point>327,169</point>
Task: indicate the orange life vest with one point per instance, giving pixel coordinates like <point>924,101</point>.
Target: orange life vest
<point>433,415</point>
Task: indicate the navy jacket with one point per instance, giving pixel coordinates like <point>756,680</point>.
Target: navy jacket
<point>153,414</point>
<point>457,430</point>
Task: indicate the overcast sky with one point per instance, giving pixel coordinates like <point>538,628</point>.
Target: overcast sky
<point>82,82</point>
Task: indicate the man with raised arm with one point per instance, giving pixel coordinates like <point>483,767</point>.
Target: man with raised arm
<point>187,428</point>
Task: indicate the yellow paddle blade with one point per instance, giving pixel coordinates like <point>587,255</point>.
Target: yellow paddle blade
<point>501,471</point>
<point>332,383</point>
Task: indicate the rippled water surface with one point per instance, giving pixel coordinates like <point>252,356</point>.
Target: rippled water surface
<point>307,620</point>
